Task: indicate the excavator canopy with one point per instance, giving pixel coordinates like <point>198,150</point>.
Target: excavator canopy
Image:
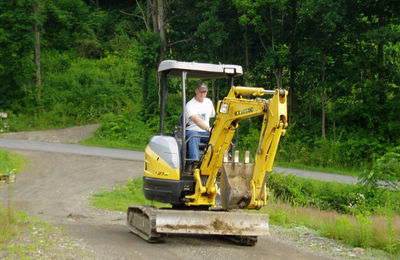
<point>199,70</point>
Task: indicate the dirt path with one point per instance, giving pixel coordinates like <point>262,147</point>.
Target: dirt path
<point>56,186</point>
<point>71,135</point>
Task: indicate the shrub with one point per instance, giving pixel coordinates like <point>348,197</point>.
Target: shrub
<point>340,197</point>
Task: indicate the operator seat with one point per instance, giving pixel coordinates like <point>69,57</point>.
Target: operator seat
<point>202,146</point>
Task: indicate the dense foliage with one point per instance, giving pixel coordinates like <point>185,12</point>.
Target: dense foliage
<point>338,59</point>
<point>331,196</point>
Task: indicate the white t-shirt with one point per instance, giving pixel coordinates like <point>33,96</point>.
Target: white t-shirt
<point>204,111</point>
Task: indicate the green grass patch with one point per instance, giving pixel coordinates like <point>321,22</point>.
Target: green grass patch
<point>9,226</point>
<point>121,196</point>
<point>44,121</point>
<point>316,168</point>
<point>118,144</point>
<point>11,163</point>
<point>362,230</point>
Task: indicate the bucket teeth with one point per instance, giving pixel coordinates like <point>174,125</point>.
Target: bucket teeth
<point>226,156</point>
<point>236,157</point>
<point>247,157</point>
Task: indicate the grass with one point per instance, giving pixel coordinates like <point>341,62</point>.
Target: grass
<point>8,225</point>
<point>118,144</point>
<point>318,169</point>
<point>295,165</point>
<point>11,162</point>
<point>349,230</point>
<point>352,230</point>
<point>46,121</point>
<point>23,236</point>
<point>121,196</point>
<point>362,230</point>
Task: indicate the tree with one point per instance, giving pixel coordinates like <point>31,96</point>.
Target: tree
<point>159,11</point>
<point>18,42</point>
<point>272,21</point>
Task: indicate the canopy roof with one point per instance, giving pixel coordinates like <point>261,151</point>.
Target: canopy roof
<point>199,70</point>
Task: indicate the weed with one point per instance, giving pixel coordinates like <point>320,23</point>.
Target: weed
<point>12,251</point>
<point>11,163</point>
<point>383,171</point>
<point>343,230</point>
<point>365,229</point>
<point>392,240</point>
<point>121,196</point>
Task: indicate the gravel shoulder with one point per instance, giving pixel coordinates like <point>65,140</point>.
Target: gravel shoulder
<point>55,188</point>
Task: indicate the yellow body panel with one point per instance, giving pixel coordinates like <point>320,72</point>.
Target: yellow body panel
<point>156,167</point>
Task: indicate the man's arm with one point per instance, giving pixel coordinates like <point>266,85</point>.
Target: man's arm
<point>200,123</point>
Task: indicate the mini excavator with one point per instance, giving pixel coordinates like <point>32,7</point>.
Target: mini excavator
<point>210,198</point>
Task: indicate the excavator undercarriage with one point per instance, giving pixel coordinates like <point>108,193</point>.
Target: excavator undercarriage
<point>153,224</point>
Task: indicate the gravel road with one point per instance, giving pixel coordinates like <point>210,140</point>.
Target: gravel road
<point>56,185</point>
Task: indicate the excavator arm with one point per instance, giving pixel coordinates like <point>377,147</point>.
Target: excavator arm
<point>242,185</point>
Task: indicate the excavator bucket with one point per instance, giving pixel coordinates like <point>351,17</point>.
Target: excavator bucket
<point>235,184</point>
<point>212,222</point>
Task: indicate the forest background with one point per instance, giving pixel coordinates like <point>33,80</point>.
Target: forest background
<point>74,62</point>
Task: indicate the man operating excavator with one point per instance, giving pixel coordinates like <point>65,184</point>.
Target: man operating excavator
<point>199,110</point>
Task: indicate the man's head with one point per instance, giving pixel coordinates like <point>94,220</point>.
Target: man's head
<point>201,91</point>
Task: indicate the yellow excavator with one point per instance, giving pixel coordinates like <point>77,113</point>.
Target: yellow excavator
<point>209,199</point>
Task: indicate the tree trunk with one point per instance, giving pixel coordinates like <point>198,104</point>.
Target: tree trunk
<point>247,69</point>
<point>334,125</point>
<point>310,105</point>
<point>323,96</point>
<point>278,75</point>
<point>148,14</point>
<point>161,19</point>
<point>154,15</point>
<point>247,59</point>
<point>291,90</point>
<point>37,57</point>
<point>218,92</point>
<point>37,51</point>
<point>213,91</point>
<point>323,112</point>
<point>380,53</point>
